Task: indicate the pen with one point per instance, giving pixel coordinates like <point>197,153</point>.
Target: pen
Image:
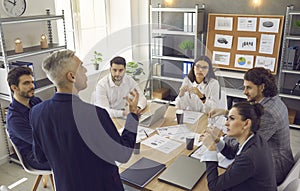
<point>146,133</point>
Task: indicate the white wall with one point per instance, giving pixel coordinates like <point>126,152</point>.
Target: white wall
<point>90,23</point>
<point>119,19</point>
<point>140,19</point>
<point>66,6</point>
<point>117,41</point>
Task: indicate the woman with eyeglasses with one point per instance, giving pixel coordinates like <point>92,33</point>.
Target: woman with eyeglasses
<point>200,91</point>
<point>253,167</point>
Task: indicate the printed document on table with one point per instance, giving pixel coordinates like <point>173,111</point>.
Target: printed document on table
<point>141,132</point>
<point>172,130</point>
<point>181,137</point>
<point>161,143</point>
<point>222,160</point>
<point>191,116</point>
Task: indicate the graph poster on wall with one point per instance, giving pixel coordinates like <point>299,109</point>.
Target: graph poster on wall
<point>241,42</point>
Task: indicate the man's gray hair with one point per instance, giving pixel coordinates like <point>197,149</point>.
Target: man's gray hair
<point>57,64</point>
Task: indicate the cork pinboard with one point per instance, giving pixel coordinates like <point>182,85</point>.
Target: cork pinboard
<point>240,42</point>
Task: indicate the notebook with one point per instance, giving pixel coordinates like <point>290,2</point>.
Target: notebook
<point>184,172</point>
<point>157,112</point>
<point>142,172</point>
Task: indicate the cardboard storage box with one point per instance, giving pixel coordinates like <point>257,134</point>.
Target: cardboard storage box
<point>161,93</point>
<point>292,114</point>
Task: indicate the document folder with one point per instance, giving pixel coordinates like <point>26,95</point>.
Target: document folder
<point>142,172</point>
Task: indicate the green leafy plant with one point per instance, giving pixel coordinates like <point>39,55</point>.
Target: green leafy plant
<point>297,23</point>
<point>186,45</point>
<point>97,59</point>
<point>134,69</point>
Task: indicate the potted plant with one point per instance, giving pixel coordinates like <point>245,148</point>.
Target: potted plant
<point>297,23</point>
<point>97,59</point>
<point>188,46</point>
<point>134,69</point>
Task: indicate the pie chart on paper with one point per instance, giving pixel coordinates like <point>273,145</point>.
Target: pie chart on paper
<point>241,61</point>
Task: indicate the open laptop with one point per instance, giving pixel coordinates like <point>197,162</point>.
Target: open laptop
<point>184,172</point>
<point>155,113</point>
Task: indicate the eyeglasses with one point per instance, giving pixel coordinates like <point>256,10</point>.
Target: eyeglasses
<point>198,66</point>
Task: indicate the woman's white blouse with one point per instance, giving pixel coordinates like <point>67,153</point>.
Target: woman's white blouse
<point>193,103</point>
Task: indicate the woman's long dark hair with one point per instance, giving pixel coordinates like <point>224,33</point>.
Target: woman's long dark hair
<point>210,73</point>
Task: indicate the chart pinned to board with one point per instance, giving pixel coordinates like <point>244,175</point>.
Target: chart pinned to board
<point>240,41</point>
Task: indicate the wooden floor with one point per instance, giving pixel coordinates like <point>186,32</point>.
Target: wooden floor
<point>11,172</point>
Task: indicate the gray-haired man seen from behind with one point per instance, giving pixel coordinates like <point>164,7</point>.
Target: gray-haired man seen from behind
<point>79,140</point>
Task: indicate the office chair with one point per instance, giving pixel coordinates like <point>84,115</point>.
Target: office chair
<point>223,100</point>
<point>220,120</point>
<point>297,157</point>
<point>293,186</point>
<point>102,74</point>
<point>30,170</point>
<point>292,175</point>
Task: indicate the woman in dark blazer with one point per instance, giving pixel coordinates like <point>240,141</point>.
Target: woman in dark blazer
<point>253,167</point>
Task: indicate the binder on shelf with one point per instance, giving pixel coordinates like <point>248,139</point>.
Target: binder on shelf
<point>188,22</point>
<point>157,69</point>
<point>290,63</point>
<point>198,22</point>
<point>158,46</point>
<point>186,67</point>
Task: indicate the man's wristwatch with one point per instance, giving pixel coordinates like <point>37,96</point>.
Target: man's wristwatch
<point>203,98</point>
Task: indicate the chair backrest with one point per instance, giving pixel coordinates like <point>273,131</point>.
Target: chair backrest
<point>101,75</point>
<point>223,100</point>
<point>27,168</point>
<point>292,175</point>
<point>293,186</point>
<point>297,157</point>
<point>17,152</point>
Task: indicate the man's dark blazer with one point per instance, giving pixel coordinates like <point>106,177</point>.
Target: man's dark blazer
<point>81,143</point>
<point>251,170</point>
